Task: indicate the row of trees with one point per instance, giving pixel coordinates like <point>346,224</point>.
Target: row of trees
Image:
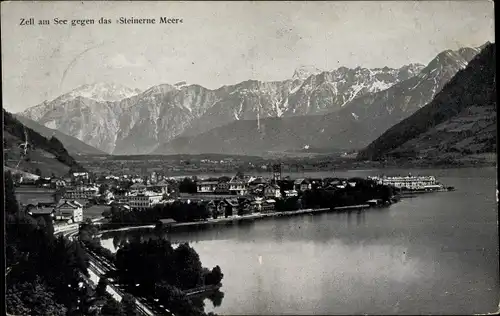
<point>363,191</point>
<point>110,306</point>
<point>178,210</point>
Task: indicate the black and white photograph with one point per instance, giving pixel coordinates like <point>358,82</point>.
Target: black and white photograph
<point>202,158</point>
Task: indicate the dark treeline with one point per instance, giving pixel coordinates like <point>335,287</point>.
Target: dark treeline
<point>178,210</point>
<point>363,191</point>
<point>43,273</point>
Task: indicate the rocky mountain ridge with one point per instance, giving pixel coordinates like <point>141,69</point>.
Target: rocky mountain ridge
<point>352,127</point>
<point>139,123</point>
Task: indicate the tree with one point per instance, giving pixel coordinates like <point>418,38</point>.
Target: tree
<point>187,186</point>
<point>175,299</point>
<point>59,194</point>
<point>103,188</point>
<point>216,298</point>
<point>128,305</point>
<point>214,277</point>
<point>100,289</point>
<point>11,205</point>
<point>32,298</point>
<point>188,267</point>
<point>111,308</point>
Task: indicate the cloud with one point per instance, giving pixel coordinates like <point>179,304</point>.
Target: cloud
<point>120,61</point>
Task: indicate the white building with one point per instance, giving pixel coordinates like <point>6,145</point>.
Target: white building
<point>409,182</point>
<point>240,186</point>
<point>70,211</point>
<point>206,186</point>
<point>81,192</point>
<point>291,193</point>
<point>272,190</point>
<point>144,200</point>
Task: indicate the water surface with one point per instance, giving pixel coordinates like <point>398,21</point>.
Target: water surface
<point>432,254</point>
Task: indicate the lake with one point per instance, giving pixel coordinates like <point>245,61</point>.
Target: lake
<point>431,254</point>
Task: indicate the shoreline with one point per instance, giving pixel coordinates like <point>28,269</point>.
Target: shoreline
<point>237,218</point>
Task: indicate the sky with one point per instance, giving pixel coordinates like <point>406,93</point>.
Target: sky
<point>221,43</point>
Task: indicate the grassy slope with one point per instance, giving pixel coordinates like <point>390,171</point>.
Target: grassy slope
<point>38,158</point>
<point>49,156</point>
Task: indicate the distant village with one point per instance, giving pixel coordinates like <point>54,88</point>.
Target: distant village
<point>76,197</point>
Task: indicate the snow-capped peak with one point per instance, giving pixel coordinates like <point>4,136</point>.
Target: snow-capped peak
<point>304,72</point>
<point>101,91</point>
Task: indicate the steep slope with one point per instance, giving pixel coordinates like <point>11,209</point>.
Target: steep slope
<point>72,144</point>
<point>461,118</point>
<point>353,126</point>
<point>27,150</point>
<point>88,113</point>
<point>161,113</point>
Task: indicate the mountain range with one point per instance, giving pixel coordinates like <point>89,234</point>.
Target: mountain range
<point>344,108</point>
<point>352,126</point>
<point>460,120</point>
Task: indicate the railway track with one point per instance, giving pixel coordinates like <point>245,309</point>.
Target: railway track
<point>146,306</point>
<point>100,266</point>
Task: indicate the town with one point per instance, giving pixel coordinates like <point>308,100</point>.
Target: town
<point>83,195</point>
<point>128,200</point>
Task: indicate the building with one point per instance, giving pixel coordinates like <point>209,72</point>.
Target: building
<point>161,186</point>
<point>80,177</point>
<point>409,182</point>
<point>277,172</point>
<point>291,193</point>
<point>206,186</point>
<point>81,192</point>
<point>57,183</point>
<point>29,194</point>
<point>40,210</point>
<point>166,222</point>
<point>268,206</point>
<point>144,200</point>
<point>212,208</point>
<point>302,184</point>
<point>257,182</point>
<point>240,186</point>
<point>137,187</point>
<point>222,187</point>
<point>120,195</point>
<point>70,211</point>
<point>272,190</point>
<point>228,207</point>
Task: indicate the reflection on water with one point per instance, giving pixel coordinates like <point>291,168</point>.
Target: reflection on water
<point>436,253</point>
